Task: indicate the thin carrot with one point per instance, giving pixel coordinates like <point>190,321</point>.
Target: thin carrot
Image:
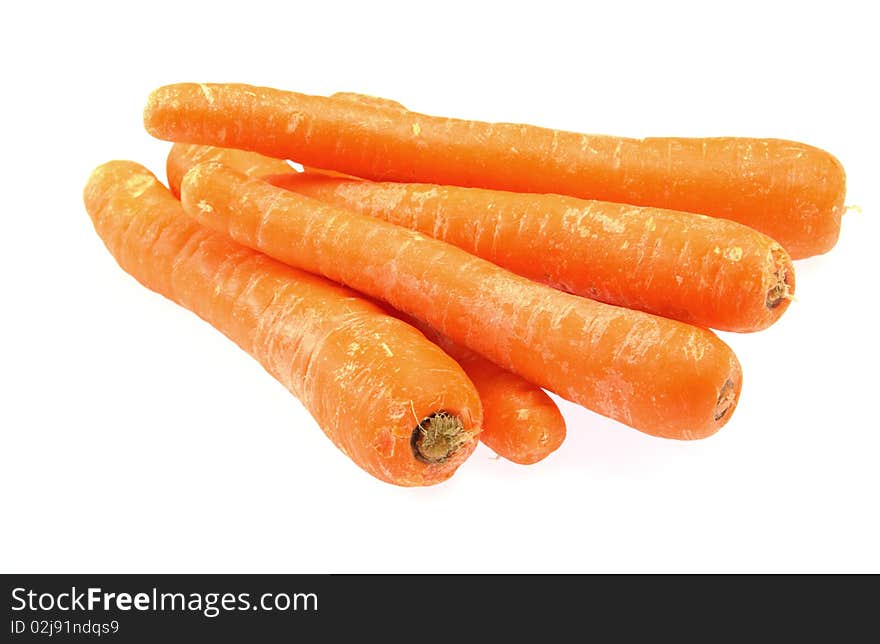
<point>520,421</point>
<point>657,375</point>
<point>392,401</point>
<point>791,191</point>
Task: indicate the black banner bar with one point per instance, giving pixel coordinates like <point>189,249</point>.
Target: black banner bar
<point>263,608</point>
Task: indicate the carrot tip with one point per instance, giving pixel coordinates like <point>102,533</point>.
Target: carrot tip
<point>438,437</point>
<point>726,399</point>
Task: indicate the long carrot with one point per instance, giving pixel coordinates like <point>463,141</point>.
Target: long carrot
<point>394,402</point>
<point>791,191</point>
<point>705,271</point>
<point>520,421</point>
<point>657,375</point>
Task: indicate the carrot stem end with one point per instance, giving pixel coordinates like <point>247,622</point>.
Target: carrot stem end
<point>726,400</point>
<point>439,436</point>
<point>781,287</point>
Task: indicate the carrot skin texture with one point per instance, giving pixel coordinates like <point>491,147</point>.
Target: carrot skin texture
<point>367,99</point>
<point>183,156</point>
<point>360,99</point>
<point>790,191</point>
<point>697,269</point>
<point>358,371</point>
<point>520,421</point>
<point>660,376</point>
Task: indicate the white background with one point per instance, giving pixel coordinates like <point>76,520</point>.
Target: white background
<point>136,438</point>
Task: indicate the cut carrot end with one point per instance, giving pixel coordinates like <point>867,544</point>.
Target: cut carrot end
<point>782,288</point>
<point>438,437</point>
<point>726,400</point>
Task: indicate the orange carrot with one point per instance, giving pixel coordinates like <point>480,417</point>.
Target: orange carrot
<point>790,191</point>
<point>520,422</point>
<point>182,157</point>
<point>392,401</point>
<point>360,99</point>
<point>705,271</point>
<point>657,375</point>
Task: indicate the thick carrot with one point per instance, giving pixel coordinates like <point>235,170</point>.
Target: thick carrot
<point>394,402</point>
<point>657,375</point>
<point>182,156</point>
<point>520,421</point>
<point>791,191</point>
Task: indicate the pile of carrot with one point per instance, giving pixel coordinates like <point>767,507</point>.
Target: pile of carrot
<point>423,281</point>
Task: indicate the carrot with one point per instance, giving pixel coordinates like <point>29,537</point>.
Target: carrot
<point>183,156</point>
<point>697,269</point>
<point>520,422</point>
<point>709,272</point>
<point>657,375</point>
<point>360,99</point>
<point>790,191</point>
<point>391,400</point>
